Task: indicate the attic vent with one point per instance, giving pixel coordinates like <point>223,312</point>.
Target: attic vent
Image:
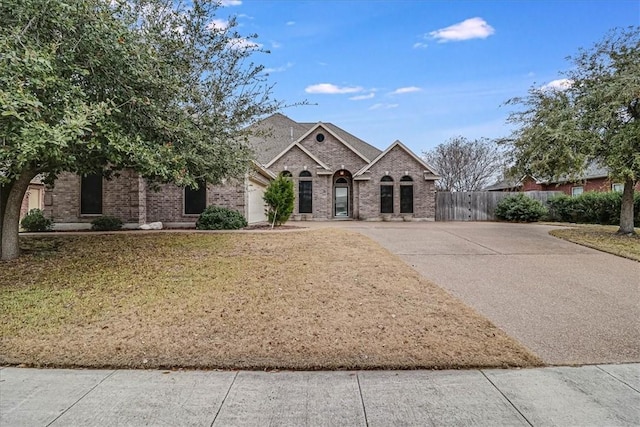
<point>320,137</point>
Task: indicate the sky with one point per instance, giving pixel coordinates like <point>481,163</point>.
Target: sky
<point>419,71</point>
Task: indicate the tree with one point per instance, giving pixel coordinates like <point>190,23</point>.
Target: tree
<point>95,86</point>
<point>594,117</point>
<point>279,197</point>
<point>465,165</point>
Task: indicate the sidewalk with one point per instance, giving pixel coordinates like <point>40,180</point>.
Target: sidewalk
<point>602,395</point>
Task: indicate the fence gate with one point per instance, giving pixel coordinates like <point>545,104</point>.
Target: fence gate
<point>478,205</point>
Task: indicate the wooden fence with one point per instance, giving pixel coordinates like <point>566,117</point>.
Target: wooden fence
<point>478,205</point>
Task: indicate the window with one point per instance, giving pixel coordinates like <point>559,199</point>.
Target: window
<point>91,195</point>
<point>305,193</point>
<point>576,191</point>
<point>195,201</point>
<point>320,137</point>
<point>617,187</point>
<point>286,173</point>
<point>386,194</point>
<point>406,195</point>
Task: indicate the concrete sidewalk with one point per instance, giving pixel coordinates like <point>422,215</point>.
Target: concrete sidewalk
<point>603,395</point>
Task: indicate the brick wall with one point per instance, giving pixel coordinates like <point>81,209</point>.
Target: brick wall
<point>167,203</point>
<point>128,197</point>
<point>596,184</point>
<point>333,152</point>
<point>397,163</point>
<point>120,198</point>
<point>296,160</point>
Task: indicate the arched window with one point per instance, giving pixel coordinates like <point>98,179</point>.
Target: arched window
<point>286,173</point>
<point>406,195</point>
<point>305,192</point>
<point>386,194</point>
<point>342,181</point>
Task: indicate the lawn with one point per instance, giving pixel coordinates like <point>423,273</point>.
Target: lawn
<point>603,238</point>
<point>320,299</point>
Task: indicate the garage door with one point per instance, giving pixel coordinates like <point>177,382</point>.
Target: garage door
<point>256,204</point>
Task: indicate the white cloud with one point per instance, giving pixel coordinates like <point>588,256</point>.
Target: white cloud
<point>361,97</point>
<point>225,3</point>
<point>403,90</point>
<point>331,89</point>
<point>290,23</point>
<point>275,45</point>
<point>278,69</point>
<point>242,43</point>
<point>559,84</point>
<point>472,28</point>
<point>218,24</point>
<point>420,45</point>
<point>383,106</point>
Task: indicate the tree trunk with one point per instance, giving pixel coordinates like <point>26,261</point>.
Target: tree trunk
<point>626,210</point>
<point>11,199</point>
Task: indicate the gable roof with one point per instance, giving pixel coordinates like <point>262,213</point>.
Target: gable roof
<point>271,136</point>
<point>341,140</point>
<point>400,145</point>
<point>304,150</point>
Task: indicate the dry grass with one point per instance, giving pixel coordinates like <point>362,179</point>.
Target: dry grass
<point>603,238</point>
<point>323,299</point>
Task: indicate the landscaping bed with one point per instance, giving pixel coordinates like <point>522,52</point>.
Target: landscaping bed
<point>314,299</point>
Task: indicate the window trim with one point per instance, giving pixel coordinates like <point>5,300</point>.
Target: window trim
<point>617,184</point>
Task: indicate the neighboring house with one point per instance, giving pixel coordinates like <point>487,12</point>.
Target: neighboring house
<point>594,178</point>
<point>336,176</point>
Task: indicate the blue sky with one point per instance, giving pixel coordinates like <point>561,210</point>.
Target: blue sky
<point>419,71</point>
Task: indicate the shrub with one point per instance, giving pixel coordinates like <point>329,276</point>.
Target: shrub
<point>520,208</point>
<point>219,218</point>
<point>106,223</point>
<point>279,197</point>
<point>36,221</point>
<point>591,208</point>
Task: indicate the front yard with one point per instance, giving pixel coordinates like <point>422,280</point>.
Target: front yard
<point>603,238</point>
<point>321,299</point>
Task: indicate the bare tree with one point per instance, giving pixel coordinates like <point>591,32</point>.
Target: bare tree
<point>466,165</point>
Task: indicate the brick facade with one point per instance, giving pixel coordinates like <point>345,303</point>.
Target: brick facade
<point>396,164</point>
<point>593,184</point>
<point>333,155</point>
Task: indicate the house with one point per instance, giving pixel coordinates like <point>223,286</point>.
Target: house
<point>336,176</point>
<point>594,178</point>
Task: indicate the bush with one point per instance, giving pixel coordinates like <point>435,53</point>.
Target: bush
<point>36,221</point>
<point>591,208</point>
<point>219,218</point>
<point>520,208</point>
<point>279,197</point>
<point>106,223</point>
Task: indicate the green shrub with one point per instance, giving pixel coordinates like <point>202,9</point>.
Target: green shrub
<point>591,208</point>
<point>520,208</point>
<point>279,197</point>
<point>106,223</point>
<point>36,221</point>
<point>219,218</point>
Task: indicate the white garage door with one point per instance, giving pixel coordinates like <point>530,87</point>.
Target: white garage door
<point>256,204</point>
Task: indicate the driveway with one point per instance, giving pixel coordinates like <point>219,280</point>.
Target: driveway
<point>567,303</point>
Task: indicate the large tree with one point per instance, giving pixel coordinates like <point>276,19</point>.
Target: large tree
<point>465,165</point>
<point>593,117</point>
<point>95,86</point>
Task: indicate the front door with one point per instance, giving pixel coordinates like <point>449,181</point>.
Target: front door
<point>341,202</point>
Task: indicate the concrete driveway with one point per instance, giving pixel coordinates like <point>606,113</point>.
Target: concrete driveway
<point>567,303</point>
